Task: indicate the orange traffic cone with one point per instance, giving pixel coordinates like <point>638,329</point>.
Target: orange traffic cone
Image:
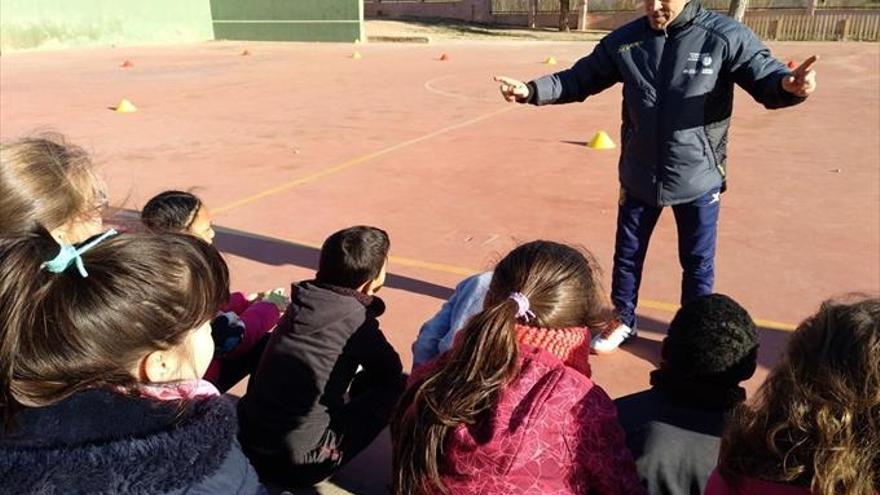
<point>444,57</point>
<point>127,64</point>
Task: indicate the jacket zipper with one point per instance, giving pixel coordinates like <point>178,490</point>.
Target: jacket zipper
<point>660,93</point>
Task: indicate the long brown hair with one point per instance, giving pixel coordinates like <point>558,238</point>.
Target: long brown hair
<point>45,180</point>
<point>564,290</point>
<point>63,333</point>
<point>815,422</point>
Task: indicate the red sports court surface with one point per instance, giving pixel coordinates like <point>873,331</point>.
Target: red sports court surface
<point>295,141</point>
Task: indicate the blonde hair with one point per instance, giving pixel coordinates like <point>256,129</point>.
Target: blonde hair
<point>815,422</point>
<point>45,181</point>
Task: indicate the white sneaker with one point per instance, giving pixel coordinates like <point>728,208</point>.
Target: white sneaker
<point>609,340</point>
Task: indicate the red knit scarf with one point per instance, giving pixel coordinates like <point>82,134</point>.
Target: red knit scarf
<point>570,345</point>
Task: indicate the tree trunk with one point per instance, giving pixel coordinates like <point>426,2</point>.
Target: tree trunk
<point>738,9</point>
<point>582,15</point>
<point>533,13</point>
<point>564,11</point>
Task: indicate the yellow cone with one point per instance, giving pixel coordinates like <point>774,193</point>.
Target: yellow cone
<point>356,55</point>
<point>601,141</point>
<point>126,106</point>
<point>550,61</point>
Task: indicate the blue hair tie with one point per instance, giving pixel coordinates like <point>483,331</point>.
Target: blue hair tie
<point>69,255</point>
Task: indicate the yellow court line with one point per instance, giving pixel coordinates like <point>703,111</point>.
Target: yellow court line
<point>466,272</point>
<point>415,263</point>
<point>672,308</point>
<point>354,161</point>
<point>645,303</point>
<point>775,325</point>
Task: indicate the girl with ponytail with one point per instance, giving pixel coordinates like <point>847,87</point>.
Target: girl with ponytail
<point>510,409</point>
<point>102,346</point>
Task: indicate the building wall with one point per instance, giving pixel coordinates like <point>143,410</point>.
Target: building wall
<point>49,24</point>
<point>601,14</point>
<point>286,20</point>
<point>53,24</point>
<point>465,10</point>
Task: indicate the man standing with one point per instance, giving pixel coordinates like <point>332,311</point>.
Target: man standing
<point>678,65</point>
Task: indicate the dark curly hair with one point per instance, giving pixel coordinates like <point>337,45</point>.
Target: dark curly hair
<point>709,335</point>
<point>711,346</point>
<point>815,422</point>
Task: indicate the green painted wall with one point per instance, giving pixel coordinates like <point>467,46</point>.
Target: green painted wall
<point>30,24</point>
<point>288,20</point>
<point>48,24</point>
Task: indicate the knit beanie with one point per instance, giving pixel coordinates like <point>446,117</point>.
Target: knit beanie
<point>711,336</point>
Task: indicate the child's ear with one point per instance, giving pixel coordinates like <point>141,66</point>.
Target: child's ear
<point>160,366</point>
<point>377,283</point>
<point>373,286</point>
<point>366,289</point>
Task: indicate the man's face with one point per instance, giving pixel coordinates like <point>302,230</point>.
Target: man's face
<point>661,12</point>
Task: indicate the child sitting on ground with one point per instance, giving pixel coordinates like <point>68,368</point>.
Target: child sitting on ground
<point>240,330</point>
<point>674,428</point>
<point>308,410</point>
<point>813,428</point>
<point>437,334</point>
<point>101,350</point>
<point>510,409</point>
<point>46,181</point>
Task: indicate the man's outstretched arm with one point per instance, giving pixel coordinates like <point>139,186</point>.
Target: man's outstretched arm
<point>590,75</point>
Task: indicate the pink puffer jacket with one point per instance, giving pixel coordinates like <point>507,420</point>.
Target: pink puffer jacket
<point>553,432</point>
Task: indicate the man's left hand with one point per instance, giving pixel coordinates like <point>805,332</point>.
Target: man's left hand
<point>802,80</point>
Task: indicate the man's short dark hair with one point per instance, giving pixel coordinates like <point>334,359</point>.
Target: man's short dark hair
<point>353,256</point>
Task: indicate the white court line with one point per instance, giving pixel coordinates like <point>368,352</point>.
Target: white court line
<point>355,161</point>
<point>429,86</point>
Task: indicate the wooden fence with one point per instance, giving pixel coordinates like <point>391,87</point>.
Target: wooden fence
<point>782,20</point>
<point>820,27</point>
<point>413,1</point>
<point>552,6</point>
<point>522,6</point>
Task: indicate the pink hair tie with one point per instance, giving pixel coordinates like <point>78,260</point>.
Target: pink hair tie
<point>523,303</point>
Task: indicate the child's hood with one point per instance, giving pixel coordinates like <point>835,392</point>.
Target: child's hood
<point>318,305</point>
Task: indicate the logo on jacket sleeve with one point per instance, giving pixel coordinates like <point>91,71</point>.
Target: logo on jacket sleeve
<point>628,46</point>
